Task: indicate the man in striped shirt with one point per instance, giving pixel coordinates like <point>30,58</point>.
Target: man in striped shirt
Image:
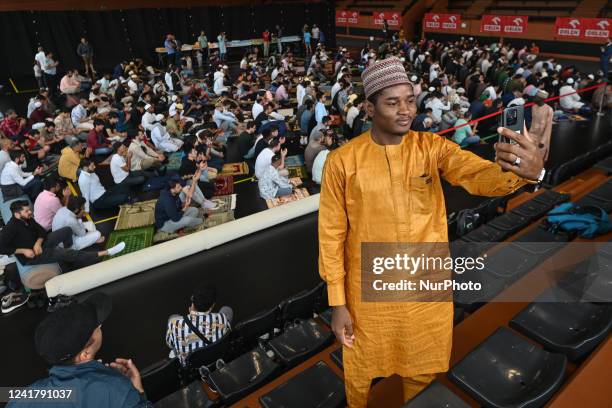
<point>182,340</point>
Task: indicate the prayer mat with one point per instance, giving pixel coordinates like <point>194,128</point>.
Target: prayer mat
<point>235,169</point>
<point>223,203</point>
<point>135,239</point>
<point>174,161</point>
<point>224,185</point>
<point>298,172</point>
<point>296,181</point>
<point>211,221</point>
<point>136,215</point>
<point>294,161</point>
<point>297,195</point>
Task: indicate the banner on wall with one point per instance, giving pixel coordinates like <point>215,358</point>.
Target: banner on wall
<point>439,21</point>
<point>568,27</point>
<point>394,18</point>
<point>503,25</point>
<point>345,17</point>
<point>585,28</point>
<point>596,28</point>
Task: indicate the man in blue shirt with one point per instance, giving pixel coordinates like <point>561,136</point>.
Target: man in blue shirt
<point>171,49</point>
<point>320,110</point>
<point>69,340</point>
<point>171,214</point>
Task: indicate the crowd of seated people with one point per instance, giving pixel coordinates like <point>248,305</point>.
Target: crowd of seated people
<point>133,120</point>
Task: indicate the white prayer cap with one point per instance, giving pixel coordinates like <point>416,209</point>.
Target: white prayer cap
<point>558,67</point>
<point>174,98</point>
<point>544,74</point>
<point>38,125</point>
<point>402,59</point>
<point>460,90</point>
<point>431,89</point>
<point>148,106</point>
<point>37,104</point>
<point>555,82</point>
<point>570,81</point>
<point>159,117</point>
<point>591,77</point>
<point>225,67</point>
<point>520,71</point>
<point>414,78</point>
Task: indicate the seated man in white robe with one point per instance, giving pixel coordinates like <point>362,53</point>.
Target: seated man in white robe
<point>161,138</point>
<point>84,234</point>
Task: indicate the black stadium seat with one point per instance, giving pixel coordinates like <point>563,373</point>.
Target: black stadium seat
<point>317,386</point>
<point>326,316</point>
<point>336,356</point>
<point>561,323</point>
<point>539,241</point>
<point>591,280</point>
<point>246,333</point>
<point>551,198</point>
<point>484,234</point>
<point>532,209</point>
<point>241,376</point>
<point>302,305</point>
<point>511,262</point>
<point>161,379</point>
<point>472,300</point>
<point>300,341</point>
<point>592,201</point>
<point>208,355</point>
<point>508,371</point>
<point>191,396</point>
<point>434,396</point>
<point>509,223</point>
<point>605,165</point>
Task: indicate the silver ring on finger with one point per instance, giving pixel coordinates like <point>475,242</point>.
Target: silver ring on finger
<point>517,161</point>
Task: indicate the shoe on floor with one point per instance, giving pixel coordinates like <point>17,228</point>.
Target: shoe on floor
<point>13,301</point>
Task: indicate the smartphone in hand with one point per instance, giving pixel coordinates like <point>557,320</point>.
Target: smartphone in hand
<point>514,119</point>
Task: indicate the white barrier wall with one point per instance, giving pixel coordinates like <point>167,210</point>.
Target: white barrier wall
<point>114,269</point>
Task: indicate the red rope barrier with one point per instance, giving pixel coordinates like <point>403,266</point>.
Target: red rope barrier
<point>553,98</point>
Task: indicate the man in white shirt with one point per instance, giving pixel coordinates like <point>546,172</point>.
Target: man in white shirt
<point>40,57</point>
<point>224,119</point>
<point>353,111</point>
<point>15,182</point>
<point>264,159</point>
<point>162,139</point>
<point>299,93</point>
<point>7,145</point>
<point>257,108</point>
<point>218,86</point>
<point>148,119</point>
<point>437,108</point>
<point>95,194</point>
<point>168,80</point>
<point>84,234</point>
<point>120,165</point>
<point>570,102</point>
<point>79,116</point>
<point>145,158</point>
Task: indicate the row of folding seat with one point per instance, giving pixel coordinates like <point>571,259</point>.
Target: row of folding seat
<point>257,350</point>
<point>578,164</point>
<point>600,197</point>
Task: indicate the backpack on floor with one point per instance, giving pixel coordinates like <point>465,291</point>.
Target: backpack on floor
<point>586,221</point>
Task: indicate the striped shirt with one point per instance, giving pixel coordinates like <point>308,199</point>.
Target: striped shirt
<point>182,341</point>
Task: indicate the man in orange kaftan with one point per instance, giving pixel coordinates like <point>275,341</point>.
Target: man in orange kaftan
<point>384,186</point>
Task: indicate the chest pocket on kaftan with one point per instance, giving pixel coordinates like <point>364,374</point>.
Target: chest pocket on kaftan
<point>421,193</point>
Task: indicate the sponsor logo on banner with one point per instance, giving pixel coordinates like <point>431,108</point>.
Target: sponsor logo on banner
<point>596,27</point>
<point>433,22</point>
<point>491,24</point>
<point>393,18</point>
<point>451,24</point>
<point>568,27</point>
<point>437,21</point>
<point>344,17</point>
<point>515,25</point>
